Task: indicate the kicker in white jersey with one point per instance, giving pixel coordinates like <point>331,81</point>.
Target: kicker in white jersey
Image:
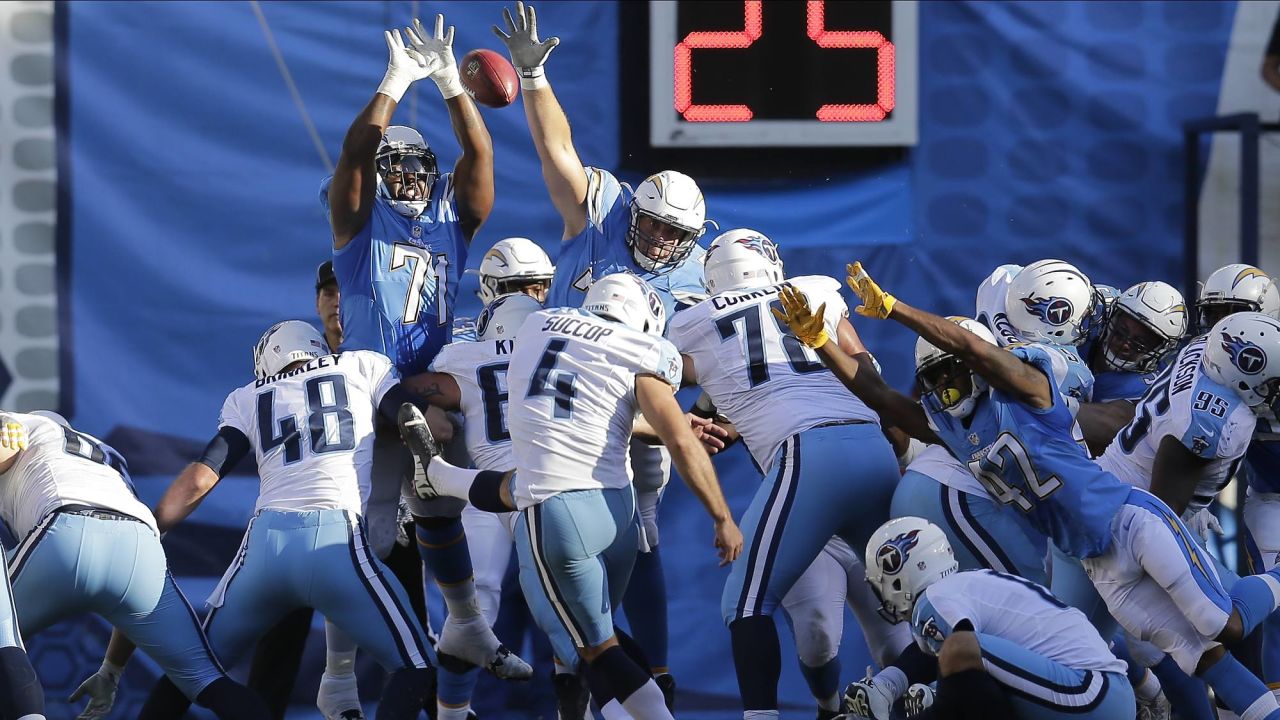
<point>740,352</point>
<point>306,461</point>
<point>480,369</point>
<point>573,401</point>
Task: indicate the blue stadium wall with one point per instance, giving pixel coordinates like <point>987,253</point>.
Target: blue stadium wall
<point>191,154</point>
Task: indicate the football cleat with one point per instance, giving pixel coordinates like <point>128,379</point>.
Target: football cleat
<point>1157,708</point>
<point>573,700</point>
<point>472,640</point>
<point>866,700</point>
<point>667,685</point>
<point>919,697</point>
<point>417,436</point>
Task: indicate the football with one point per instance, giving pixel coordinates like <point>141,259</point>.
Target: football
<point>488,78</point>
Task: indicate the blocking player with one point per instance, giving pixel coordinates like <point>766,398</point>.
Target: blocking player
<point>577,379</point>
<point>309,419</point>
<point>515,265</point>
<point>400,236</point>
<point>1143,327</point>
<point>997,645</point>
<point>89,545</point>
<point>1029,453</point>
<point>653,233</point>
<point>745,361</point>
<point>20,689</point>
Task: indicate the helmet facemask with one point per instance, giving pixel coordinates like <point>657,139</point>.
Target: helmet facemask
<point>407,174</point>
<point>1130,343</point>
<point>1209,312</point>
<point>657,244</point>
<point>950,383</point>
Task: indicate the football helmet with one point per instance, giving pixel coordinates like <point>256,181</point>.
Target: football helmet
<point>741,259</point>
<point>905,556</point>
<point>403,156</point>
<point>990,303</point>
<point>1235,288</point>
<point>1243,353</point>
<point>285,343</point>
<point>510,264</point>
<point>1050,302</point>
<point>627,299</point>
<point>670,199</point>
<point>1149,319</point>
<point>501,318</point>
<point>937,372</point>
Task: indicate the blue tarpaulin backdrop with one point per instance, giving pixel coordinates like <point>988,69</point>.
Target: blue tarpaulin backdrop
<point>197,134</point>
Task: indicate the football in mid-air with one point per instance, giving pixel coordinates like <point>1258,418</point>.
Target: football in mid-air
<point>488,78</point>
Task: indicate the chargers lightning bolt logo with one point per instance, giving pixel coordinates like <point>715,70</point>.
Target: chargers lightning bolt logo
<point>892,554</point>
<point>1053,310</point>
<point>1245,355</point>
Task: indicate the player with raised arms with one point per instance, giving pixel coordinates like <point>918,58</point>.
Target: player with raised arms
<point>20,689</point>
<point>1024,444</point>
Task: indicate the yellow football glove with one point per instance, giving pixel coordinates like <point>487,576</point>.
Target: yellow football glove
<point>13,436</point>
<point>876,303</point>
<point>807,326</point>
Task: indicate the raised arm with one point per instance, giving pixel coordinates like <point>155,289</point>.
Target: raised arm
<point>997,366</point>
<point>658,403</point>
<point>562,171</point>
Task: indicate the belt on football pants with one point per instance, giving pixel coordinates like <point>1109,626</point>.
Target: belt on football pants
<point>96,512</point>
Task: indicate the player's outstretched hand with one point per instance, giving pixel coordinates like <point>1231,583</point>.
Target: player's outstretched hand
<point>521,38</point>
<point>807,325</point>
<point>13,434</point>
<point>711,435</point>
<point>1203,523</point>
<point>436,49</point>
<point>100,688</point>
<point>405,66</point>
<point>876,303</point>
<point>728,541</point>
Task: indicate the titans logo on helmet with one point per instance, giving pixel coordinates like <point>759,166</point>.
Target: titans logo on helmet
<point>1052,310</point>
<point>762,245</point>
<point>1247,356</point>
<point>892,555</point>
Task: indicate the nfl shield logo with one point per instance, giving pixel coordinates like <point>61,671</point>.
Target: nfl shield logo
<point>974,439</point>
<point>417,231</point>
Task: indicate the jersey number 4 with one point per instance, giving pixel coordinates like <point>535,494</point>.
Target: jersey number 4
<point>329,422</point>
<point>429,272</point>
<point>558,384</point>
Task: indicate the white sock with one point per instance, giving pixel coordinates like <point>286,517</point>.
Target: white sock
<point>340,651</point>
<point>443,712</point>
<point>451,480</point>
<point>613,710</point>
<point>648,702</point>
<point>1149,688</point>
<point>461,599</point>
<point>759,715</point>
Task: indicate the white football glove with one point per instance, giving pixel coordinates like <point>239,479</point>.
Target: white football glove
<point>437,50</point>
<point>919,697</point>
<point>865,699</point>
<point>521,38</point>
<point>1202,523</point>
<point>100,688</point>
<point>13,434</point>
<point>405,66</point>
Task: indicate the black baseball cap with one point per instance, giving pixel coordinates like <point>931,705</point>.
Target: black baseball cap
<point>324,275</point>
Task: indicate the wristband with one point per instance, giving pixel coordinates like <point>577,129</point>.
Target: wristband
<point>394,85</point>
<point>450,87</point>
<point>532,78</point>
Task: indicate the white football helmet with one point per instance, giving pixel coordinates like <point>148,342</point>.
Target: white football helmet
<point>627,299</point>
<point>403,151</point>
<point>936,371</point>
<point>673,199</point>
<point>1236,288</point>
<point>501,318</point>
<point>511,263</point>
<point>741,259</point>
<point>990,302</point>
<point>284,343</point>
<point>1243,353</point>
<point>905,556</point>
<point>1155,306</point>
<point>1050,302</point>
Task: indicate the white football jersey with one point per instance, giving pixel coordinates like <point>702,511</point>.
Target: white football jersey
<point>937,462</point>
<point>573,400</point>
<point>61,466</point>
<point>480,369</point>
<point>991,304</point>
<point>1209,419</point>
<point>757,373</point>
<point>1014,609</point>
<point>312,430</point>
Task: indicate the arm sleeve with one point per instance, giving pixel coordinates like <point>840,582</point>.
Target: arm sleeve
<point>664,361</point>
<point>382,375</point>
<point>230,415</point>
<point>225,450</point>
<point>604,196</point>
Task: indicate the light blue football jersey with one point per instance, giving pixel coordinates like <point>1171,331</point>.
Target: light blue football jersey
<point>399,278</point>
<point>1116,385</point>
<point>1036,460</point>
<point>601,249</point>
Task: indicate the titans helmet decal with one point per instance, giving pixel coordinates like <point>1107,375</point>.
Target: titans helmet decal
<point>1052,310</point>
<point>1245,355</point>
<point>892,555</point>
<point>762,245</point>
